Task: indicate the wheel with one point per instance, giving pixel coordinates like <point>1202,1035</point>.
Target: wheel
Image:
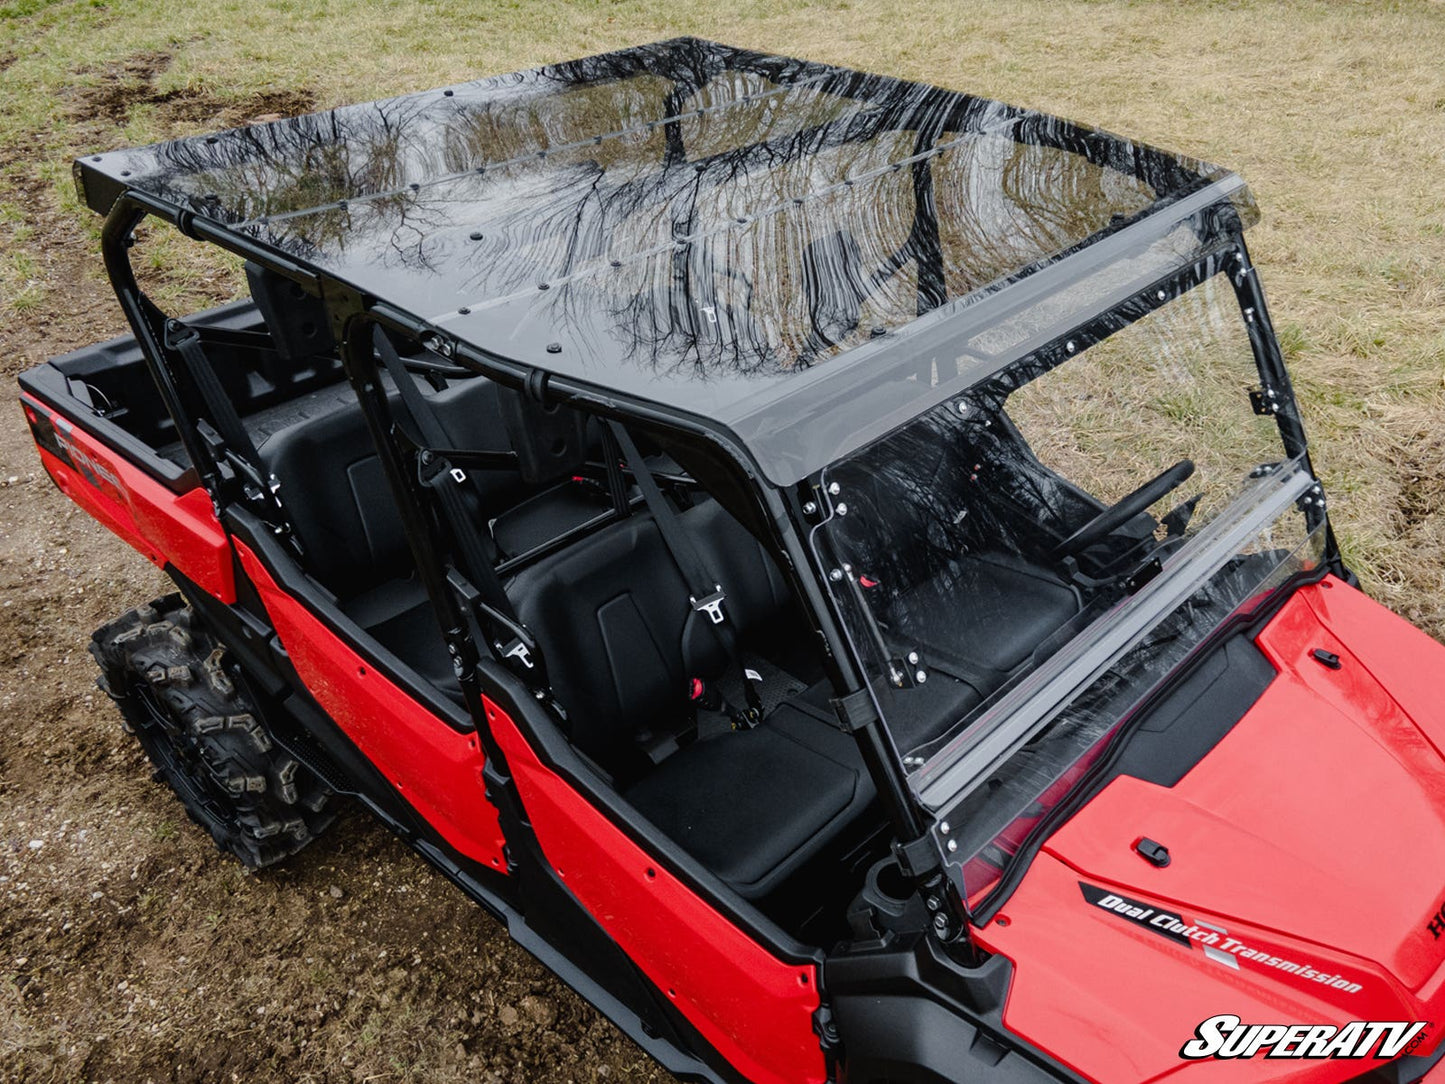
<point>168,676</point>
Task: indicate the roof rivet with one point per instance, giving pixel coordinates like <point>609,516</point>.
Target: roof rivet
<point>481,169</point>
<point>544,285</point>
<point>448,93</point>
<point>212,140</point>
<point>700,167</point>
<point>414,186</point>
<point>341,204</point>
<point>464,311</point>
<point>616,263</point>
<point>475,235</point>
<point>125,173</point>
<point>554,348</point>
<point>878,331</point>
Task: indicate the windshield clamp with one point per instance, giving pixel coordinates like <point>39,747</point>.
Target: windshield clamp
<point>855,711</point>
<point>711,605</point>
<point>1264,402</point>
<point>917,858</point>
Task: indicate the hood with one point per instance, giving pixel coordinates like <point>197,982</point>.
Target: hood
<point>1306,881</point>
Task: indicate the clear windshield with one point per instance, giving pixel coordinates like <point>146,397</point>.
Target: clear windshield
<point>1011,588</point>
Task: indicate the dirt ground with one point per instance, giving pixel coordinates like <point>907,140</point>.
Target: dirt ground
<point>129,949</point>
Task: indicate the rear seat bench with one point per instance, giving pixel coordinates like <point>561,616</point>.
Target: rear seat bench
<point>336,495</point>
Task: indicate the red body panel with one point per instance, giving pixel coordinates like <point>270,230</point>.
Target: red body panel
<point>167,528</point>
<point>756,1009</point>
<point>436,768</point>
<point>1314,832</point>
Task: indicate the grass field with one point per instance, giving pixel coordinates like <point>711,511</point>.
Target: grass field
<point>1334,111</point>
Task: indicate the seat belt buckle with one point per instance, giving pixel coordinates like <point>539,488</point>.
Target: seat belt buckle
<point>432,466</point>
<point>711,605</point>
<point>519,650</point>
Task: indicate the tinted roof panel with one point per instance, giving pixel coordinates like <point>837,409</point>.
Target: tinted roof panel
<point>683,222</point>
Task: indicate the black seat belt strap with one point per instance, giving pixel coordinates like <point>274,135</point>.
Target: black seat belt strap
<point>484,595</point>
<point>705,592</point>
<point>186,341</point>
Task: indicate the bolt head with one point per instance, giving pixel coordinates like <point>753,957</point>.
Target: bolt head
<point>834,489</point>
<point>940,922</point>
<point>835,575</point>
<point>921,676</point>
<point>842,508</point>
<point>913,658</point>
<point>810,508</point>
<point>952,846</point>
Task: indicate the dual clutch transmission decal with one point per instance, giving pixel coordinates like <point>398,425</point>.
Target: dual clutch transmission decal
<point>1214,941</point>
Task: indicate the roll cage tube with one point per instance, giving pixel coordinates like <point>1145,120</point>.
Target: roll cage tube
<point>148,326</point>
<point>860,714</point>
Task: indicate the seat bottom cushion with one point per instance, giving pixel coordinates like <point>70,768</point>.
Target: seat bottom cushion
<point>754,805</point>
<point>399,615</point>
<point>988,612</point>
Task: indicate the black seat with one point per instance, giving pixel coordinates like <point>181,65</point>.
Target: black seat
<point>335,492</point>
<point>612,617</point>
<point>987,612</point>
<point>336,495</point>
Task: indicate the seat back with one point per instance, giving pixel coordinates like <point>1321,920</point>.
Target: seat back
<point>621,640</point>
<point>335,492</point>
